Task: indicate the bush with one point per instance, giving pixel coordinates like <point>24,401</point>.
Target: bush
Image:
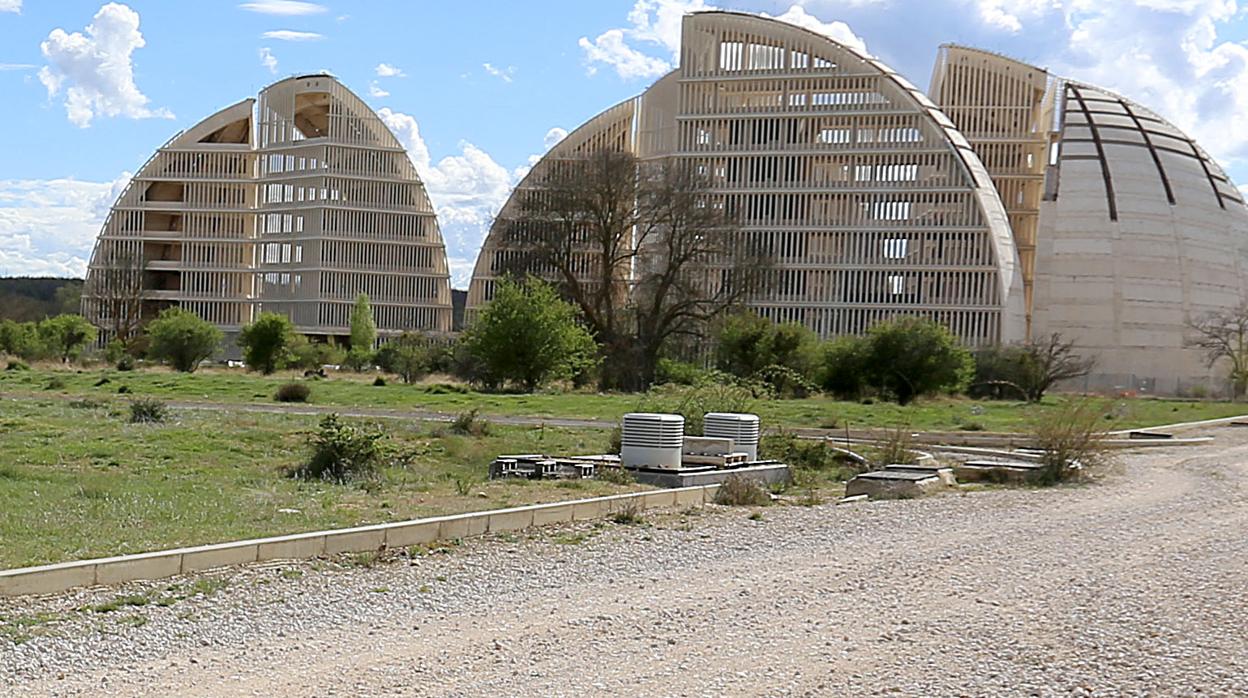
<point>740,491</point>
<point>266,342</point>
<point>55,383</point>
<point>65,336</point>
<point>148,411</point>
<point>379,381</point>
<point>342,452</point>
<point>747,344</point>
<point>678,373</point>
<point>308,355</point>
<point>17,365</point>
<point>1072,437</point>
<point>615,476</point>
<point>293,392</point>
<point>808,455</point>
<point>125,363</point>
<point>470,424</point>
<point>693,402</point>
<point>842,367</point>
<point>20,339</point>
<point>785,383</point>
<point>529,336</point>
<point>409,355</point>
<point>909,356</point>
<point>182,338</point>
<point>359,359</point>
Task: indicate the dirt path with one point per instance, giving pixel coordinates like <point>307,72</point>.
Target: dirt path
<point>1135,586</point>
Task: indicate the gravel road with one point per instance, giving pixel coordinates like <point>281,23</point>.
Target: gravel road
<point>1132,586</point>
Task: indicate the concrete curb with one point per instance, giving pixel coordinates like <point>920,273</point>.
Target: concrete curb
<point>51,579</point>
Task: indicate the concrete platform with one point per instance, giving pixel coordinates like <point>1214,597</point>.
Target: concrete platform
<point>943,472</point>
<point>766,472</point>
<point>1015,472</point>
<point>893,484</point>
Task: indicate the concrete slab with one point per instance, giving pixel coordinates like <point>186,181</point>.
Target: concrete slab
<point>692,477</point>
<point>591,509</point>
<point>355,540</point>
<point>402,535</point>
<point>552,513</point>
<point>893,484</point>
<point>660,499</point>
<point>509,520</point>
<point>943,472</point>
<point>297,547</point>
<point>1014,472</point>
<point>130,568</point>
<point>463,526</point>
<point>47,579</point>
<point>224,555</point>
<point>690,497</point>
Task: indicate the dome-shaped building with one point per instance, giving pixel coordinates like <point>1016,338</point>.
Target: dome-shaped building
<point>1136,231</point>
<point>867,199</point>
<point>293,203</point>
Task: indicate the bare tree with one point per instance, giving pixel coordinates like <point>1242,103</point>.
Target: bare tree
<point>644,250</point>
<point>115,289</point>
<point>1031,368</point>
<point>1224,335</point>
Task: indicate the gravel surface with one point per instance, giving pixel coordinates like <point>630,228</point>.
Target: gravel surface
<point>1132,586</point>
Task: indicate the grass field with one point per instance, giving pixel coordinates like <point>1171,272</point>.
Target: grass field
<point>78,481</point>
<point>354,390</point>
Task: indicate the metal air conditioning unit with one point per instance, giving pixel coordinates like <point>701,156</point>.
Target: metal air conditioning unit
<point>741,428</point>
<point>652,440</point>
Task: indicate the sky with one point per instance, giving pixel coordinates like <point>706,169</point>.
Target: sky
<point>477,90</point>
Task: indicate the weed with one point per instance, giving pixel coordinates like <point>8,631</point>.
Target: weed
<point>463,486</point>
<point>756,516</point>
<point>207,586</point>
<point>117,603</point>
<point>17,365</point>
<point>366,559</point>
<point>1073,441</point>
<point>615,476</point>
<point>293,392</point>
<point>55,383</point>
<point>292,573</point>
<point>897,446</point>
<point>470,424</point>
<point>379,590</point>
<point>742,492</point>
<point>136,620</point>
<point>630,515</point>
<point>148,411</point>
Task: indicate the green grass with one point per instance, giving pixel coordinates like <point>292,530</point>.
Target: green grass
<point>81,483</point>
<point>344,389</point>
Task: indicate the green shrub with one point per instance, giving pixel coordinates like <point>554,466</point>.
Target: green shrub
<point>615,476</point>
<point>148,411</point>
<point>379,381</point>
<point>678,372</point>
<point>897,446</point>
<point>470,424</point>
<point>342,452</point>
<point>843,366</point>
<point>293,392</point>
<point>785,383</point>
<point>693,402</point>
<point>740,491</point>
<point>17,365</point>
<point>266,342</point>
<point>125,363</point>
<point>747,344</point>
<point>55,383</point>
<point>182,338</point>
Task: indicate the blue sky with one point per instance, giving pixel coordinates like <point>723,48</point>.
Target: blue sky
<point>478,89</point>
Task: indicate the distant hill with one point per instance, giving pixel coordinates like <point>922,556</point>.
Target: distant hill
<point>25,298</point>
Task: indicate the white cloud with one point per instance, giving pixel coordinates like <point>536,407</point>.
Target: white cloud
<point>503,74</point>
<point>385,70</point>
<point>1008,15</point>
<point>95,70</point>
<point>374,90</point>
<point>14,6</point>
<point>284,8</point>
<point>657,24</point>
<point>16,66</point>
<point>268,60</point>
<point>289,35</point>
<point>553,136</point>
<point>467,191</point>
<point>47,227</point>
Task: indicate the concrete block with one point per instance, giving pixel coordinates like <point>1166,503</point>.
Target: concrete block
<point>659,500</point>
<point>591,509</point>
<point>552,513</point>
<point>462,526</point>
<point>297,547</point>
<point>893,484</point>
<point>401,535</point>
<point>689,497</point>
<point>510,520</point>
<point>355,540</point>
<point>223,555</point>
<point>48,579</point>
<point>130,568</point>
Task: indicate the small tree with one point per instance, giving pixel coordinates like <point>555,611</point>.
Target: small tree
<point>528,335</point>
<point>1224,335</point>
<point>410,355</point>
<point>20,339</point>
<point>363,327</point>
<point>1029,369</point>
<point>266,342</point>
<point>844,366</point>
<point>749,345</point>
<point>311,356</point>
<point>66,336</point>
<point>911,356</point>
<point>182,338</point>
